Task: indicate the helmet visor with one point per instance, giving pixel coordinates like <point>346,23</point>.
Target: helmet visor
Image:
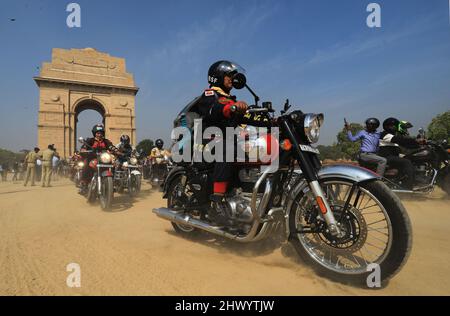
<point>231,68</point>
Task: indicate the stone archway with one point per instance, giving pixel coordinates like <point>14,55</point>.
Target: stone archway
<point>83,105</point>
<point>80,79</point>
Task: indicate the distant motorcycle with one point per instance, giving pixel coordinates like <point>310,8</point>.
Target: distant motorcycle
<point>102,184</point>
<point>432,167</point>
<point>79,165</point>
<point>159,170</point>
<point>127,175</point>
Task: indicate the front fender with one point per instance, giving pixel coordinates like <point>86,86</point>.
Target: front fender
<point>351,173</point>
<point>348,172</point>
<point>174,172</point>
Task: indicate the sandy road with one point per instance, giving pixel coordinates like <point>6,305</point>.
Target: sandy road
<point>130,251</point>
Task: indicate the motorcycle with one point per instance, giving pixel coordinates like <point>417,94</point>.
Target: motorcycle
<point>78,169</point>
<point>341,219</point>
<point>101,185</point>
<point>159,169</point>
<point>431,167</point>
<point>127,175</point>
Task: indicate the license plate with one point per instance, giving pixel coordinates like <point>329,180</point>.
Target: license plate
<point>309,149</point>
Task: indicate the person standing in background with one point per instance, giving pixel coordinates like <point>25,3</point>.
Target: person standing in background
<point>47,164</point>
<point>31,160</point>
<point>15,171</point>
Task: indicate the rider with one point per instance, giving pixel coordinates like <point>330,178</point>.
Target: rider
<point>370,140</point>
<point>158,153</point>
<point>218,108</point>
<point>395,134</point>
<point>125,147</point>
<point>97,143</point>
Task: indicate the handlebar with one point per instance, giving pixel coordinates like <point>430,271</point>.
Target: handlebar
<point>253,110</point>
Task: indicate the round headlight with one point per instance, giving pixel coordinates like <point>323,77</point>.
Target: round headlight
<point>312,125</point>
<point>105,158</point>
<point>133,161</point>
<point>125,164</point>
<point>80,164</point>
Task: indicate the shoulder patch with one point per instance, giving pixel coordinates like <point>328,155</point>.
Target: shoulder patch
<point>209,93</point>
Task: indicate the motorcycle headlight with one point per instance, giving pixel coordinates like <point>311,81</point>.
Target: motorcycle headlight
<point>105,158</point>
<point>80,164</point>
<point>312,124</point>
<point>125,164</point>
<point>133,161</point>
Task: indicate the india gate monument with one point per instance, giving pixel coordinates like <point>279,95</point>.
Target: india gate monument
<point>84,79</point>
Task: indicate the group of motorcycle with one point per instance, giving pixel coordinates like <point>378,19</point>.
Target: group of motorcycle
<point>341,219</point>
<point>431,163</point>
<point>111,174</point>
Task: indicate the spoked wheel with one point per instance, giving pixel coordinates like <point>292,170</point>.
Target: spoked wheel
<point>175,200</point>
<point>107,193</point>
<point>91,191</point>
<point>138,183</point>
<point>132,186</point>
<point>375,230</point>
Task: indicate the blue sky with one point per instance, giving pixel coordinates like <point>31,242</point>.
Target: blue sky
<point>319,54</point>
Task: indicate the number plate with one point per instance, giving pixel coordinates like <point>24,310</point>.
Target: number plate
<point>309,149</point>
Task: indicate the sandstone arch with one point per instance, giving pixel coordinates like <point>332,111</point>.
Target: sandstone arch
<point>80,79</point>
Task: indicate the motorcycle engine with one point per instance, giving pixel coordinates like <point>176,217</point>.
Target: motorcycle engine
<point>423,174</point>
<point>239,207</point>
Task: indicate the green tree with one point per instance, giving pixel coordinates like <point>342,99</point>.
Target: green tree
<point>8,157</point>
<point>439,128</point>
<point>145,145</point>
<point>330,152</point>
<point>348,148</point>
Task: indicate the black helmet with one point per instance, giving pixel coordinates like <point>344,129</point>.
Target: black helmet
<point>125,139</point>
<point>220,69</point>
<point>98,128</point>
<point>159,143</point>
<point>403,127</point>
<point>372,123</point>
<point>390,125</point>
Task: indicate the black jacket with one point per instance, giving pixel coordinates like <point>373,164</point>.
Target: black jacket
<point>390,144</point>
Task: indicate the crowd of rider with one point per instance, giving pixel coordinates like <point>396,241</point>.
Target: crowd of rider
<point>385,147</point>
<point>122,151</point>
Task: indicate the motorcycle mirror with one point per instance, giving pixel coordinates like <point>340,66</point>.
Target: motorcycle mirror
<point>268,106</point>
<point>81,140</point>
<point>239,81</point>
<point>286,106</point>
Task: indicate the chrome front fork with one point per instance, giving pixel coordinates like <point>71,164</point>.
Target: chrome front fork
<point>99,183</point>
<point>325,209</point>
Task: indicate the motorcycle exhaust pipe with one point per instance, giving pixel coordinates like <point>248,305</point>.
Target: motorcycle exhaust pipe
<point>184,219</point>
<point>257,211</point>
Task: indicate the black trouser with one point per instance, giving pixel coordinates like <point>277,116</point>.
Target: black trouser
<point>405,167</point>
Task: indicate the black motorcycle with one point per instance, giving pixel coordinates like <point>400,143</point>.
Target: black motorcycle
<point>431,167</point>
<point>341,219</point>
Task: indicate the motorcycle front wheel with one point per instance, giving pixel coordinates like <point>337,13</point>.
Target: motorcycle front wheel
<point>107,192</point>
<point>133,186</point>
<point>376,230</point>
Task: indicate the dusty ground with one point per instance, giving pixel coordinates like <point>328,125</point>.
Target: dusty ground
<point>132,252</point>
